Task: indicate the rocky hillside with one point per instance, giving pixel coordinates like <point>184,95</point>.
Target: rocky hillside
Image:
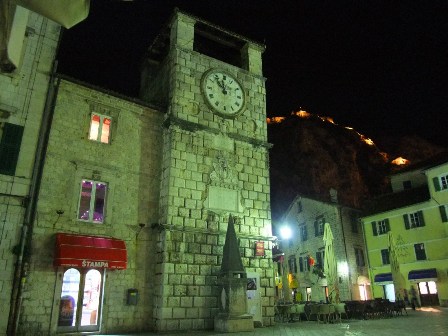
<point>312,155</point>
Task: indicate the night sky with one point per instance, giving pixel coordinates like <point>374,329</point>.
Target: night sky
<point>378,66</point>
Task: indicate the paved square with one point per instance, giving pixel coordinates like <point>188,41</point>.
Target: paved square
<point>424,321</point>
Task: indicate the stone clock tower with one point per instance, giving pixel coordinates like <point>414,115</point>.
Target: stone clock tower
<point>215,165</point>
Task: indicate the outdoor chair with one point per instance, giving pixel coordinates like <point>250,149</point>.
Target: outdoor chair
<point>340,310</point>
<point>332,313</point>
<point>323,313</point>
<point>296,311</point>
<point>313,310</point>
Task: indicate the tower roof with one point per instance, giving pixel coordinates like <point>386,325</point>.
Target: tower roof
<point>231,259</point>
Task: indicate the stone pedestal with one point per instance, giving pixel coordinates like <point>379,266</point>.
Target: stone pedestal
<point>227,323</point>
<point>233,316</point>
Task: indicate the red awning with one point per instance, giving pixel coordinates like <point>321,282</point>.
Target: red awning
<point>90,251</point>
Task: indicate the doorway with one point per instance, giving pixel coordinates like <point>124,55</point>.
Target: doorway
<point>81,298</point>
<point>362,292</point>
<point>389,292</point>
<point>428,293</point>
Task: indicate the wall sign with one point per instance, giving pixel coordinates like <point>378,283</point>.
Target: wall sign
<point>259,248</point>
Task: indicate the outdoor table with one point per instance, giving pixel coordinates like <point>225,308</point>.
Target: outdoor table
<point>284,310</point>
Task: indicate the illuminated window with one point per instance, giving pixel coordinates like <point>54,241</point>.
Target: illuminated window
<point>385,256</point>
<point>414,220</point>
<point>100,128</point>
<point>420,253</point>
<point>92,201</point>
<point>81,300</point>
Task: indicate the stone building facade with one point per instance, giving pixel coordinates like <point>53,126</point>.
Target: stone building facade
<point>306,218</point>
<point>135,195</point>
<point>23,93</point>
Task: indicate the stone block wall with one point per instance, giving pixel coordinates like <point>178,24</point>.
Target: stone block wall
<point>22,101</point>
<point>206,156</point>
<point>130,165</point>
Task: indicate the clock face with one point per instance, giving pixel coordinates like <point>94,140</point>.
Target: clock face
<point>223,93</point>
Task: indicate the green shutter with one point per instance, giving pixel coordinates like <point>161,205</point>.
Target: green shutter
<point>436,182</point>
<point>406,222</point>
<point>316,233</point>
<point>375,232</point>
<point>443,213</point>
<point>387,224</point>
<point>10,148</point>
<point>422,219</point>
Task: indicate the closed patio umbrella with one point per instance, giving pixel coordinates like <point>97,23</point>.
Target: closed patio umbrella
<point>330,268</point>
<point>397,278</point>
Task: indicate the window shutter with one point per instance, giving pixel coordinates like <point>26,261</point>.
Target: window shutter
<point>422,219</point>
<point>387,224</point>
<point>436,182</point>
<point>375,233</point>
<point>10,148</point>
<point>305,233</point>
<point>406,222</point>
<point>316,229</point>
<point>301,264</point>
<point>443,213</point>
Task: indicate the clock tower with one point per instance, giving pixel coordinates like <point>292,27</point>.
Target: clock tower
<point>215,165</point>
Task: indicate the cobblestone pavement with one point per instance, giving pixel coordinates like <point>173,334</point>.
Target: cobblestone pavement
<point>424,321</point>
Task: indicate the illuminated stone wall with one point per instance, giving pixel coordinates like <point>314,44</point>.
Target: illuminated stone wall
<point>22,99</point>
<point>212,167</point>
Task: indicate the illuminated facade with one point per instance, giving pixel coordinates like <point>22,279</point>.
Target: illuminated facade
<point>304,251</point>
<point>130,219</point>
<point>416,215</point>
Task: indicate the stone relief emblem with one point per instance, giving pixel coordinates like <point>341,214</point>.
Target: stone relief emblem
<point>222,174</point>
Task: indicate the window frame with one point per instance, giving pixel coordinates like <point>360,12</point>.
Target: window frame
<point>382,224</point>
<point>11,138</point>
<point>420,252</point>
<point>320,258</point>
<point>292,264</point>
<point>319,226</point>
<point>385,256</point>
<point>99,136</point>
<point>92,202</point>
<point>359,256</point>
<point>414,220</point>
<point>303,232</point>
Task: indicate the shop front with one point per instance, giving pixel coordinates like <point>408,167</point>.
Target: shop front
<point>426,280</point>
<point>83,261</point>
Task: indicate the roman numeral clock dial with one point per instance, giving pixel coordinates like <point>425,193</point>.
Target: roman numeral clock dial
<point>223,93</point>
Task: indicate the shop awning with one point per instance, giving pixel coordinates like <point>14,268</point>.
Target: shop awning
<point>429,274</point>
<point>90,251</point>
<point>383,277</point>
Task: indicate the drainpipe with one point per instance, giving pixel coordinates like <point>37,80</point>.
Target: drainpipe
<point>23,258</point>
